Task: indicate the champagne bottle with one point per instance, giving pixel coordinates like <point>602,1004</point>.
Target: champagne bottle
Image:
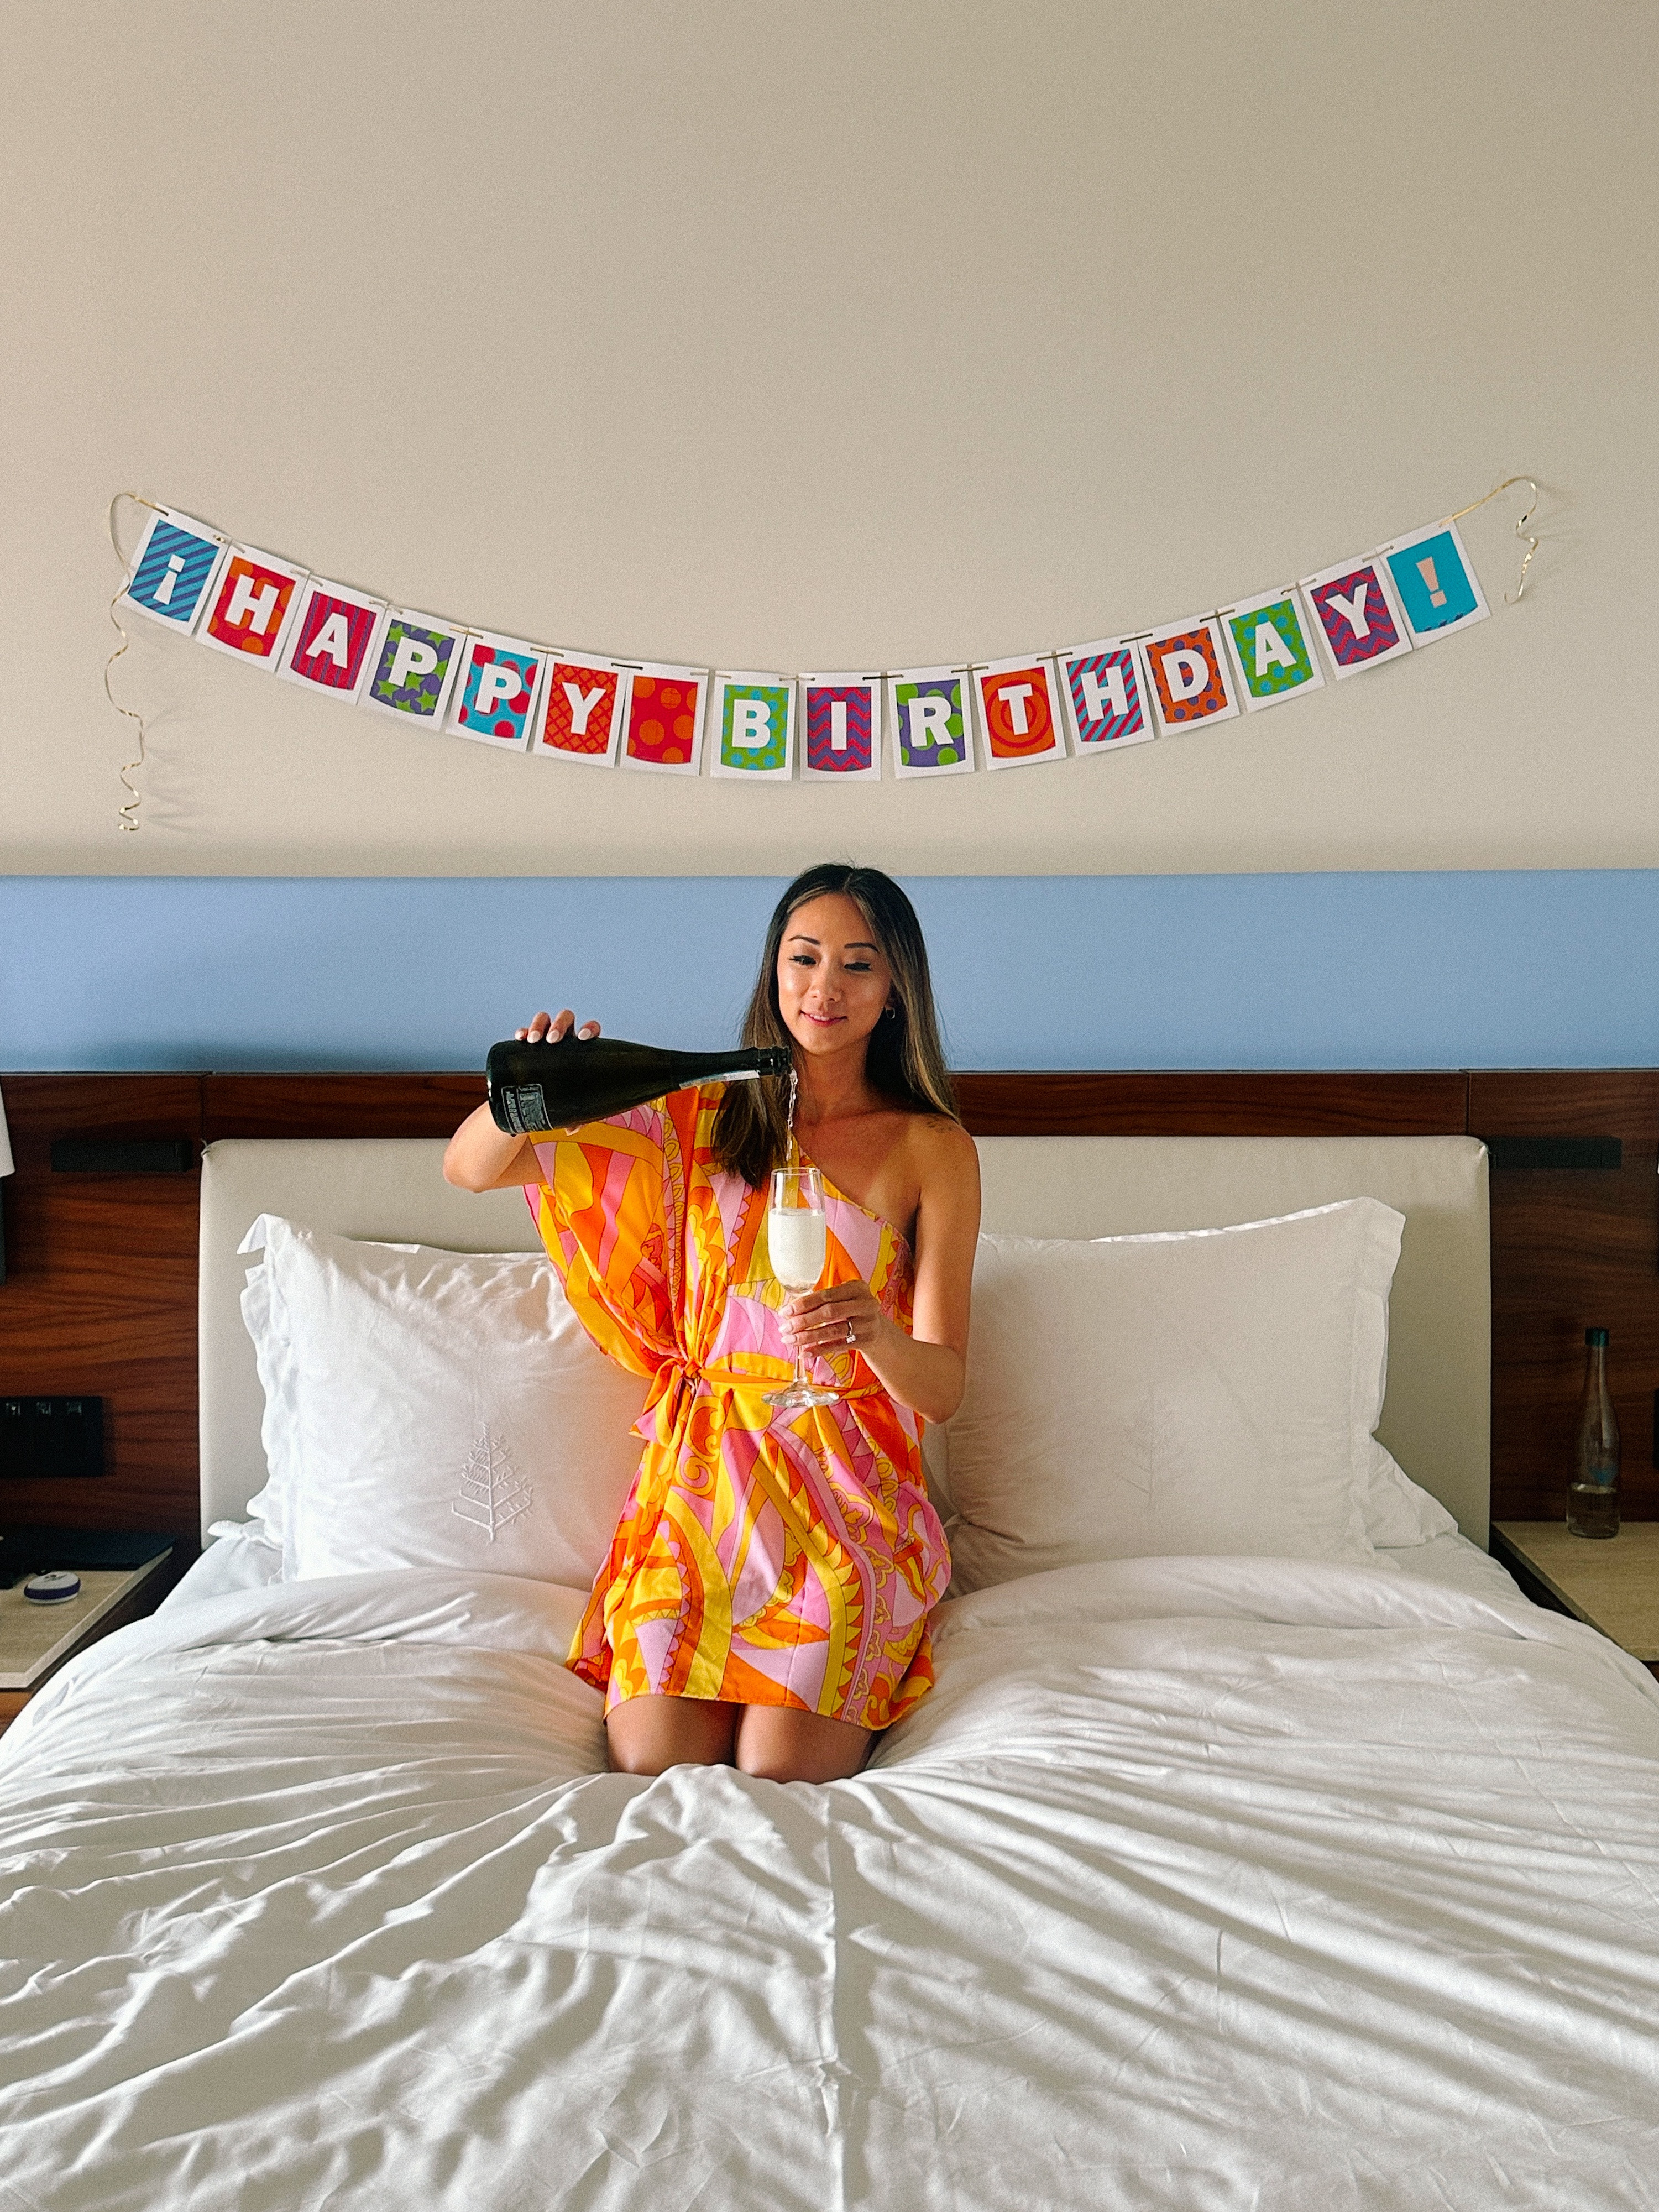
<point>1593,1486</point>
<point>555,1086</point>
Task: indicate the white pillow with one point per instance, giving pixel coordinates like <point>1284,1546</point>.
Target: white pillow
<point>1212,1391</point>
<point>1398,1511</point>
<point>433,1409</point>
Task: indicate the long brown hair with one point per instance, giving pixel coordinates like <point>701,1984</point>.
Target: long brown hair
<point>906,1060</point>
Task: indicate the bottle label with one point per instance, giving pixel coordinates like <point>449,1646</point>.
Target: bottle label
<point>744,1075</point>
<point>526,1108</point>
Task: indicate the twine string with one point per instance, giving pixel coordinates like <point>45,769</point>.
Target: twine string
<point>128,811</point>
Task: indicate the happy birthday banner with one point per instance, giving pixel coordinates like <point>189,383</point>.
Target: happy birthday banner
<point>663,719</point>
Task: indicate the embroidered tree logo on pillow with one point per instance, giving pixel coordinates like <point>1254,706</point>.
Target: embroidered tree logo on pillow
<point>493,1491</point>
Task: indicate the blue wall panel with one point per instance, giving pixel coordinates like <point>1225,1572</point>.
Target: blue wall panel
<point>1397,970</point>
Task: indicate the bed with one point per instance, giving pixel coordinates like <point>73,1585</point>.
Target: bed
<point>1202,1880</point>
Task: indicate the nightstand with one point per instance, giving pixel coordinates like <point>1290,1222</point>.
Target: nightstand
<point>1610,1582</point>
<point>36,1639</point>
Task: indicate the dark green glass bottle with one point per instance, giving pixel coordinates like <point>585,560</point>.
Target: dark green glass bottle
<point>534,1087</point>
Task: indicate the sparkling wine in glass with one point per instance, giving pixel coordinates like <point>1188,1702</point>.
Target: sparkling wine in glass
<point>797,1236</point>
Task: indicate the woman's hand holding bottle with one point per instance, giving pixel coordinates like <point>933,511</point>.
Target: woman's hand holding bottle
<point>480,1156</point>
<point>552,1028</point>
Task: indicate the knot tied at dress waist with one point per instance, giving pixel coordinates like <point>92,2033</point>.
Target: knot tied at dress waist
<point>680,1380</point>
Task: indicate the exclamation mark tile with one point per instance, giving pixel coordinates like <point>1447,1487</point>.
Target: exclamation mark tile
<point>1439,593</point>
<point>175,568</point>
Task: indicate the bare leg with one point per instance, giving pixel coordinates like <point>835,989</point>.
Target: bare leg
<point>648,1734</point>
<point>788,1746</point>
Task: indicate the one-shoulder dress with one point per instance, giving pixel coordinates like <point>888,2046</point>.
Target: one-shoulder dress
<point>766,1555</point>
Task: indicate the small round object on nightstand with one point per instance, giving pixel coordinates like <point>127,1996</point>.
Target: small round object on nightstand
<point>52,1588</point>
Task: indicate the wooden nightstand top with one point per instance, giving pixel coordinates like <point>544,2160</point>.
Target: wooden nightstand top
<point>1610,1582</point>
<point>34,1637</point>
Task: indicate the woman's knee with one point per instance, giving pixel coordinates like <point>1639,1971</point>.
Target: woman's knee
<point>647,1735</point>
<point>641,1759</point>
<point>650,1759</point>
<point>777,1765</point>
<point>776,1744</point>
<point>768,1766</point>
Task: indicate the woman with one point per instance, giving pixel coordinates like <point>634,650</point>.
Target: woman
<point>765,1597</point>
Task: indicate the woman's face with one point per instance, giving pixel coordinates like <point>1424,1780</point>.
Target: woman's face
<point>833,983</point>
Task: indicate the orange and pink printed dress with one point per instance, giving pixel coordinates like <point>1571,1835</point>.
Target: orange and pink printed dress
<point>766,1555</point>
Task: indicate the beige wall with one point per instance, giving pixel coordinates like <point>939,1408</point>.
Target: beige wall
<point>776,335</point>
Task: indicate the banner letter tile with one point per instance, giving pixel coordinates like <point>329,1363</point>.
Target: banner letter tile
<point>1272,649</point>
<point>754,721</point>
<point>413,666</point>
<point>583,706</point>
<point>1020,716</point>
<point>327,647</point>
<point>663,731</point>
<point>1103,688</point>
<point>1356,615</point>
<point>1191,679</point>
<point>1435,583</point>
<point>841,720</point>
<point>495,692</point>
<point>175,570</point>
<point>930,722</point>
<point>252,601</point>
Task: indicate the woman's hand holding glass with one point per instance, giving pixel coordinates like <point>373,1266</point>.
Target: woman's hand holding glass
<point>830,1320</point>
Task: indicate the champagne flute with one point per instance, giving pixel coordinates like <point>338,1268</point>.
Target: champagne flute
<point>797,1236</point>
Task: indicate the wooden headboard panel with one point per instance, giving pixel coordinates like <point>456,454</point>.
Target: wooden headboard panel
<point>102,1288</point>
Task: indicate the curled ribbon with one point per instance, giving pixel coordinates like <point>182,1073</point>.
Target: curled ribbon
<point>128,811</point>
<point>1520,529</point>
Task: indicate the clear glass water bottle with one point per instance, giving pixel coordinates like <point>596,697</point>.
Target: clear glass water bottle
<point>1593,1488</point>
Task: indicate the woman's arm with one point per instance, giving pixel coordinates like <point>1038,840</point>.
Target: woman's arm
<point>480,1157</point>
<point>926,1371</point>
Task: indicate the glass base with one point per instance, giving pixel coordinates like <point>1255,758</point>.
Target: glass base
<point>803,1394</point>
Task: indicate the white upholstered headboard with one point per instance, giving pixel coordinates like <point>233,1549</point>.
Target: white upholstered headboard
<point>1436,1421</point>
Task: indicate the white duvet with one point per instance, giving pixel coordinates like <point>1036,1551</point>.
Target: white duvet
<point>1206,1884</point>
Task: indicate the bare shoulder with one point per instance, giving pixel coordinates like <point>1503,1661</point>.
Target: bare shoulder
<point>945,1162</point>
<point>943,1153</point>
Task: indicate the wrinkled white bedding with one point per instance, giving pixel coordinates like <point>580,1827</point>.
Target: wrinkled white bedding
<point>1206,1884</point>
